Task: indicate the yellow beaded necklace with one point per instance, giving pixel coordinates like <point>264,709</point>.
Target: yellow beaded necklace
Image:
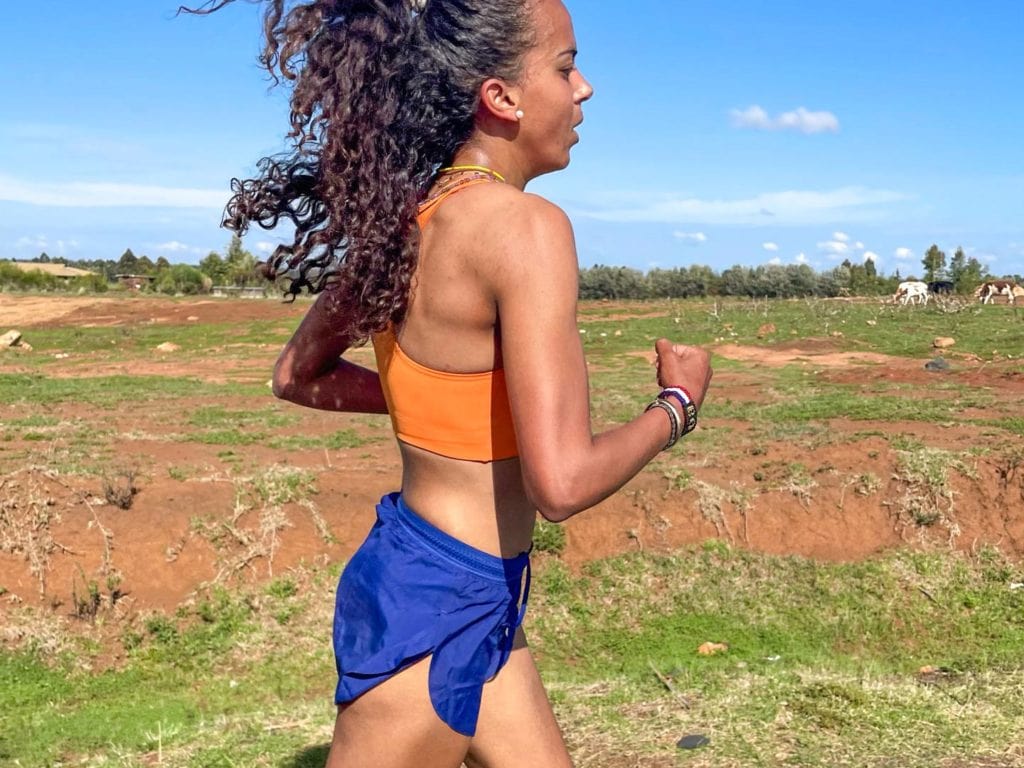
<point>471,169</point>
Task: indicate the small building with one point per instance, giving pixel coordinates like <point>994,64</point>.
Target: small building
<point>246,292</point>
<point>134,282</point>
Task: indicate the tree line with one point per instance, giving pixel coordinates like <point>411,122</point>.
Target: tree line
<point>779,281</point>
<point>237,267</point>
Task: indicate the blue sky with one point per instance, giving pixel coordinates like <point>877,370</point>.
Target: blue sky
<point>720,133</point>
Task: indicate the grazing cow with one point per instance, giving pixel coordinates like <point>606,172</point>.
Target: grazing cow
<point>940,287</point>
<point>992,288</point>
<point>911,292</point>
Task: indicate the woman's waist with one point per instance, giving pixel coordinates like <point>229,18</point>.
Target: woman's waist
<point>483,505</point>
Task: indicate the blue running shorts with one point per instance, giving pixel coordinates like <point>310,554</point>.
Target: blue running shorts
<point>411,590</point>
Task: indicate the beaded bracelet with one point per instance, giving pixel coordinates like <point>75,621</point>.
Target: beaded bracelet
<point>689,408</point>
<point>673,417</point>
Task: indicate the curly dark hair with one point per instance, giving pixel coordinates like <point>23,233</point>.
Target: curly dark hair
<point>383,93</point>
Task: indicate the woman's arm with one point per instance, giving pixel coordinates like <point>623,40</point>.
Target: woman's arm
<point>311,372</point>
<point>566,468</point>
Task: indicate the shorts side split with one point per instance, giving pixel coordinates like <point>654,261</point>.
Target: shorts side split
<point>411,590</point>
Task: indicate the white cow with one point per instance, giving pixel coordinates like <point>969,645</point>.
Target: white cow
<point>911,292</point>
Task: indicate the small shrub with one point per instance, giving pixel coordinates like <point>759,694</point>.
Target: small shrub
<point>867,484</point>
<point>86,605</point>
<point>131,639</point>
<point>282,588</point>
<point>120,489</point>
<point>161,628</point>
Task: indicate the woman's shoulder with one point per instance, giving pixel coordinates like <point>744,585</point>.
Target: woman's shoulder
<point>519,237</point>
<point>513,219</point>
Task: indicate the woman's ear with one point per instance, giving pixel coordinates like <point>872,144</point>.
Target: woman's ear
<point>500,101</point>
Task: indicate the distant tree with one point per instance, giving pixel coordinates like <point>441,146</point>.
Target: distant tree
<point>181,278</point>
<point>601,282</point>
<point>43,258</point>
<point>736,281</point>
<point>145,266</point>
<point>701,280</point>
<point>213,266</point>
<point>771,281</point>
<point>874,283</point>
<point>128,264</point>
<point>974,274</point>
<point>665,283</point>
<point>934,263</point>
<point>241,265</point>
<point>162,264</point>
<point>957,266</point>
<point>803,281</point>
<point>838,281</point>
<point>680,282</point>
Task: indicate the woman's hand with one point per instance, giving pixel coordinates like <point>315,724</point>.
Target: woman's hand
<point>683,366</point>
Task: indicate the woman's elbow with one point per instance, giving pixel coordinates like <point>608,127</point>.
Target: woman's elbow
<point>281,388</point>
<point>556,501</point>
<point>282,383</point>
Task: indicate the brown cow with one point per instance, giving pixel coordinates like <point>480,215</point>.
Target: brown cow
<point>992,288</point>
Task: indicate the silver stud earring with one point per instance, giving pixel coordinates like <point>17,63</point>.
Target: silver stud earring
<point>519,114</point>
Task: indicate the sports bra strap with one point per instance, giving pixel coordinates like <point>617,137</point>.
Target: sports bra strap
<point>429,207</point>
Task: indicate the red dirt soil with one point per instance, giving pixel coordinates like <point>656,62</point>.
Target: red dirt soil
<point>845,502</point>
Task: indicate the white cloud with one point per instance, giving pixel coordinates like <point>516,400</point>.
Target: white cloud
<point>76,194</point>
<point>265,246</point>
<point>842,237</point>
<point>775,260</point>
<point>800,258</point>
<point>799,119</point>
<point>870,256</point>
<point>770,246</point>
<point>42,243</point>
<point>173,247</point>
<point>904,254</point>
<point>834,247</point>
<point>859,245</point>
<point>39,241</point>
<point>791,208</point>
<point>690,238</point>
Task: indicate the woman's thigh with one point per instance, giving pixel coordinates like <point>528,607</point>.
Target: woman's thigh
<point>517,727</point>
<point>393,725</point>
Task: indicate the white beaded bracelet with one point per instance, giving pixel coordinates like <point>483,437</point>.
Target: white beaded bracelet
<point>674,421</point>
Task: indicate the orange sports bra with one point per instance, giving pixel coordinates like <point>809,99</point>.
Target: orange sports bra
<point>458,415</point>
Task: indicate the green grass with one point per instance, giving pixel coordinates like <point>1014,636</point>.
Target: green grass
<point>110,392</point>
<point>901,331</point>
<point>835,686</point>
<point>335,441</point>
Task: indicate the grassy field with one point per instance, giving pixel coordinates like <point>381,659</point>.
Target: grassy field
<point>911,657</point>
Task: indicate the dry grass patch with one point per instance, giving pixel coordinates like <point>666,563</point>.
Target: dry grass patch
<point>251,533</point>
<point>711,501</point>
<point>27,511</point>
<point>927,499</point>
